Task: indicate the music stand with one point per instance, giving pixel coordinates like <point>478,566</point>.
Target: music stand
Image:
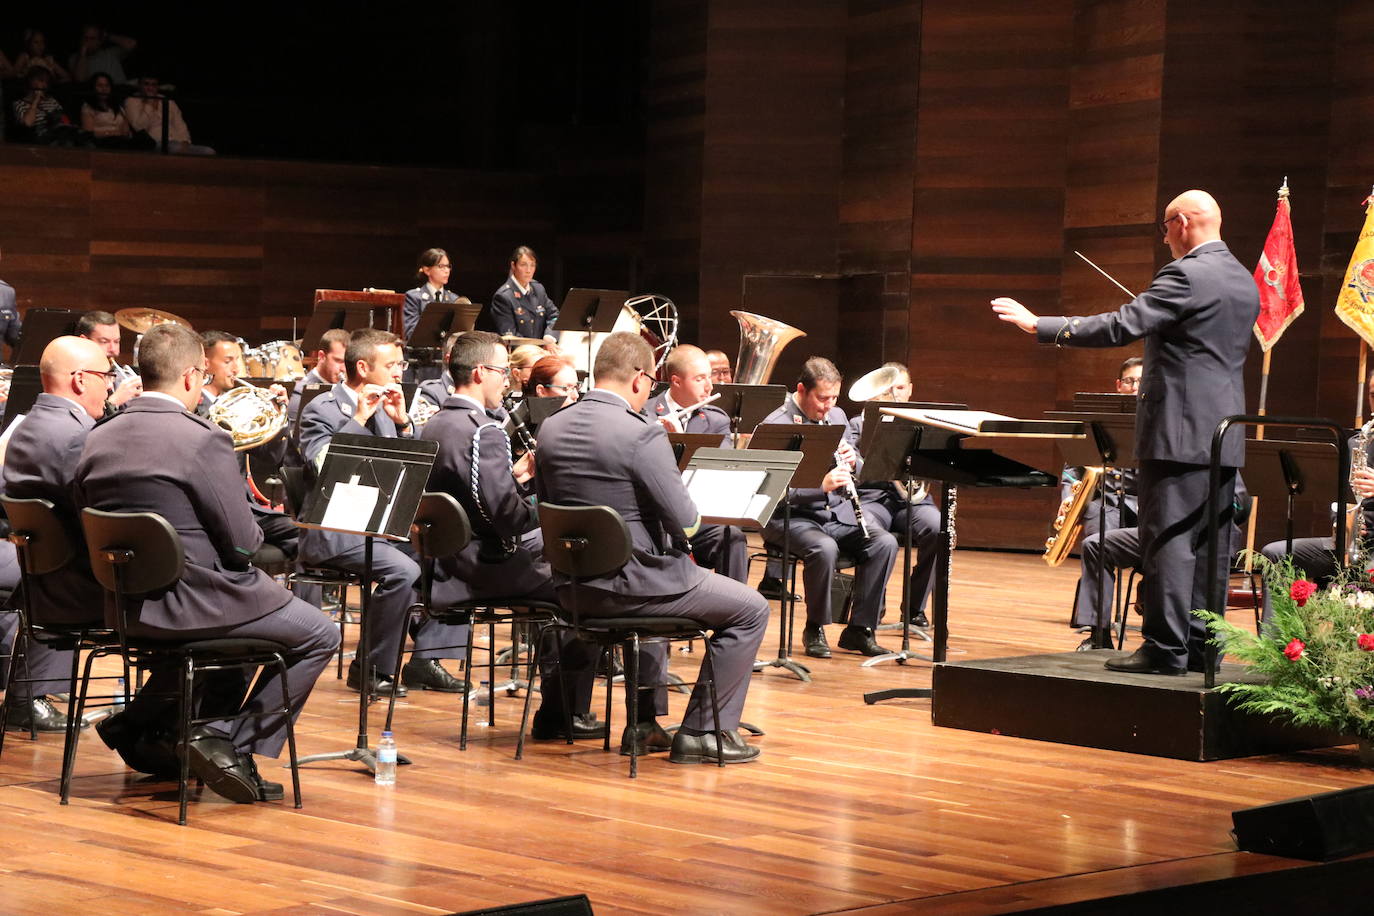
<point>1105,402</point>
<point>368,486</point>
<point>540,409</point>
<point>425,346</point>
<point>685,445</point>
<point>817,443</point>
<point>40,327</point>
<point>590,312</point>
<point>748,405</point>
<point>333,313</point>
<point>25,386</point>
<point>1275,468</point>
<point>755,512</point>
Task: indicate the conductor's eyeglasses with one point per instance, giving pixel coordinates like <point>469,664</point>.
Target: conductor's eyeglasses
<point>1164,226</point>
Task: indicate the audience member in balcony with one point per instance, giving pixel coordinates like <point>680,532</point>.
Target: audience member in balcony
<point>39,116</point>
<point>35,54</point>
<point>105,120</point>
<point>144,112</point>
<point>101,52</point>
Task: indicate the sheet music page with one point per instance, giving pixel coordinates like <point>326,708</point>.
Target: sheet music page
<point>966,420</point>
<point>350,506</point>
<point>723,493</point>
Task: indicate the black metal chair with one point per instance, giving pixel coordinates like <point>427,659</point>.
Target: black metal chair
<point>139,553</point>
<point>441,528</point>
<point>331,580</point>
<point>585,542</point>
<point>44,547</point>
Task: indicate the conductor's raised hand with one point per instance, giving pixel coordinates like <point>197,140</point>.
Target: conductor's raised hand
<point>1016,313</point>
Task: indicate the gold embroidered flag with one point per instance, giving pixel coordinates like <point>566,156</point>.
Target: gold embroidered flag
<point>1355,304</point>
<point>1276,275</point>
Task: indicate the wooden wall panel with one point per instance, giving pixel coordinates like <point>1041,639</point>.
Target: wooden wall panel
<point>987,218</point>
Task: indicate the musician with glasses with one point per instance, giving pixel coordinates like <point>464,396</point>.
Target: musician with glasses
<point>369,402</point>
<point>102,328</point>
<point>681,409</point>
<point>40,463</point>
<point>721,373</point>
<point>824,525</point>
<point>552,377</point>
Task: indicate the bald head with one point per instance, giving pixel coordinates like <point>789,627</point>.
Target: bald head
<point>1191,219</point>
<point>73,368</point>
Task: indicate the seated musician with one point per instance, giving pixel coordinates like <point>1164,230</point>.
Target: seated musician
<point>522,360</point>
<point>433,392</point>
<point>327,370</point>
<point>886,506</point>
<point>158,456</point>
<point>370,403</point>
<point>1119,490</point>
<point>721,373</point>
<point>824,525</point>
<point>102,328</point>
<point>521,307</point>
<point>39,464</point>
<point>431,273</point>
<point>505,556</point>
<point>719,547</point>
<point>602,452</point>
<point>552,377</point>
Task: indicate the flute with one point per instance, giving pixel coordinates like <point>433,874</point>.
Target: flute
<point>686,412</point>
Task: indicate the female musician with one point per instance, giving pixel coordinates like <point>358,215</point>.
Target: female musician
<point>522,360</point>
<point>552,377</point>
<point>432,273</point>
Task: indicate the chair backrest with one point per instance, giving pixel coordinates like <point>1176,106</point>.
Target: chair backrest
<point>584,541</point>
<point>39,535</point>
<point>441,527</point>
<point>155,555</point>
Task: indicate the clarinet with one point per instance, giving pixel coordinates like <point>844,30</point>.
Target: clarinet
<point>852,492</point>
<point>522,432</point>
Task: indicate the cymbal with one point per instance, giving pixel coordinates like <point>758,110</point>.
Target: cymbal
<point>139,320</point>
<point>879,381</point>
<point>514,342</point>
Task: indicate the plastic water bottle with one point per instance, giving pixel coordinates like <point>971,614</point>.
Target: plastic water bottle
<point>386,760</point>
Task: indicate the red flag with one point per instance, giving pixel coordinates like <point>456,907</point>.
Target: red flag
<point>1277,278</point>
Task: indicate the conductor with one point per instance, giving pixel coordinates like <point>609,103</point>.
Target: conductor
<point>1195,319</point>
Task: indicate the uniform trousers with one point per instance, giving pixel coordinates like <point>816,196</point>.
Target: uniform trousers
<point>52,668</point>
<point>735,614</point>
<point>724,549</point>
<point>1173,536</point>
<point>310,639</point>
<point>1093,603</point>
<point>818,546</point>
<point>924,519</point>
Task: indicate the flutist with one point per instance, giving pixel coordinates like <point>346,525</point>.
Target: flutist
<point>824,525</point>
<point>719,547</point>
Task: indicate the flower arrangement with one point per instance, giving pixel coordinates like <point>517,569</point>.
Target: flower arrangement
<point>1316,653</point>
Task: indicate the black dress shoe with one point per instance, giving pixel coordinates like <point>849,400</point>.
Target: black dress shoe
<point>215,761</point>
<point>550,727</point>
<point>1097,639</point>
<point>813,640</point>
<point>860,639</point>
<point>771,588</point>
<point>382,684</point>
<point>428,674</point>
<point>152,752</point>
<point>702,748</point>
<point>267,791</point>
<point>919,619</point>
<point>40,713</point>
<point>1143,661</point>
<point>647,737</point>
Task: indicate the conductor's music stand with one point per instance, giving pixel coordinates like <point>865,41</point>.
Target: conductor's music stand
<point>371,487</point>
<point>748,405</point>
<point>817,444</point>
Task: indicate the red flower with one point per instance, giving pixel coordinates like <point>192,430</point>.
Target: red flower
<point>1301,591</point>
<point>1366,642</point>
<point>1293,651</point>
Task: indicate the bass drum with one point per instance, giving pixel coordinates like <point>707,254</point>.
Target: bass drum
<point>650,316</point>
<point>277,359</point>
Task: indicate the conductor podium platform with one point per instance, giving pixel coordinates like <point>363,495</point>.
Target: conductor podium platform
<point>1069,698</point>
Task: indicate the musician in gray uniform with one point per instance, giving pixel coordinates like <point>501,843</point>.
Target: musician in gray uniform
<point>601,451</point>
<point>1120,489</point>
<point>432,273</point>
<point>11,327</point>
<point>719,547</point>
<point>824,525</point>
<point>157,456</point>
<point>521,307</point>
<point>102,328</point>
<point>39,464</point>
<point>370,403</point>
<point>1195,319</point>
<point>504,558</point>
<point>888,508</point>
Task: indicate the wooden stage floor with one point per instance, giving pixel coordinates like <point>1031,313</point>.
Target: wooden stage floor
<point>852,808</point>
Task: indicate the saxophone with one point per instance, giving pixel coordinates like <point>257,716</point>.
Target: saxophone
<point>1354,516</point>
<point>1068,522</point>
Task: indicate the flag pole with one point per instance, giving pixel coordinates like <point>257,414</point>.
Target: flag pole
<point>1364,349</point>
<point>1268,352</point>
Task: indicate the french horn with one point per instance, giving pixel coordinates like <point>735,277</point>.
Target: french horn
<point>249,414</point>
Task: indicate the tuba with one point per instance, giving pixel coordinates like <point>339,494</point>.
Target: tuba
<point>761,341</point>
<point>1068,523</point>
<point>249,414</point>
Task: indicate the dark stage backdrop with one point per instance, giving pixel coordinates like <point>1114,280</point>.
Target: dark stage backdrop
<point>870,171</point>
